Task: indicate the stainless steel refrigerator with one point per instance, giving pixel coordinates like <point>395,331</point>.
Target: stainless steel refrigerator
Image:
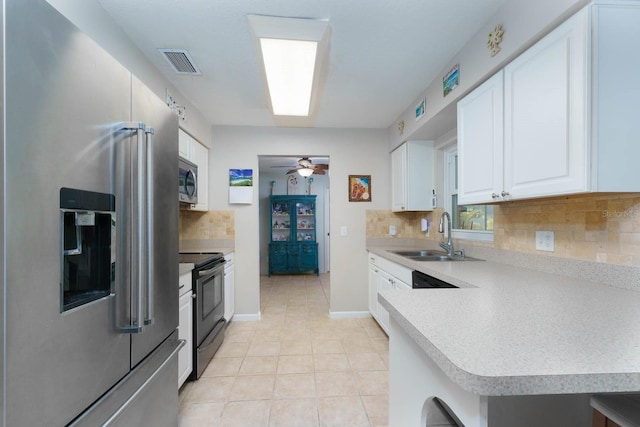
<point>91,233</point>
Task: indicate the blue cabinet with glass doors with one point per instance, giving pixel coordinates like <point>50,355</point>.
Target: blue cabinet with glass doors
<point>292,246</point>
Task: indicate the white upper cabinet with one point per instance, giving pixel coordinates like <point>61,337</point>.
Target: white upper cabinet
<point>412,176</point>
<point>545,137</point>
<point>185,145</point>
<point>399,178</point>
<point>558,119</point>
<point>480,143</point>
<point>615,98</point>
<point>192,150</point>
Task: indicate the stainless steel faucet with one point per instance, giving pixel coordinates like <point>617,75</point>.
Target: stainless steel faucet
<point>449,245</point>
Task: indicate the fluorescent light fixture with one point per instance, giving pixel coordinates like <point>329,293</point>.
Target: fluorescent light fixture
<point>305,171</point>
<point>292,52</point>
<point>289,66</point>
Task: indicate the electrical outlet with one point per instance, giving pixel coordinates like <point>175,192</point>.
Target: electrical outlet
<point>343,231</point>
<point>392,230</point>
<point>545,241</point>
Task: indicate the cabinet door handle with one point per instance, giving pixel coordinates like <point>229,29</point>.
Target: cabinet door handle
<point>494,196</point>
<point>504,193</point>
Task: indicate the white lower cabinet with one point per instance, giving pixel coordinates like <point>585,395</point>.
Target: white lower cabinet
<point>185,328</point>
<point>384,275</point>
<point>229,288</point>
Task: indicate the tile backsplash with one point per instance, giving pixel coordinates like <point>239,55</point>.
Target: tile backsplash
<point>600,227</point>
<point>208,225</point>
<point>407,224</point>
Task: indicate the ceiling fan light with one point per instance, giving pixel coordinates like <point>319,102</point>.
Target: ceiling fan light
<point>305,172</point>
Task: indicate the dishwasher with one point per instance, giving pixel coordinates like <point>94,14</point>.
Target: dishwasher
<point>424,281</point>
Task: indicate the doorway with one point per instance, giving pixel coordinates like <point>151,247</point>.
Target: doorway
<point>278,175</point>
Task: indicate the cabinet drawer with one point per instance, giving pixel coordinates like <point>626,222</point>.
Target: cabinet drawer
<point>278,249</point>
<point>308,249</point>
<point>398,271</point>
<point>185,283</point>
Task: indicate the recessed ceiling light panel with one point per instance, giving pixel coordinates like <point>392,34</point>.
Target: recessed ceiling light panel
<point>289,65</point>
<point>291,51</point>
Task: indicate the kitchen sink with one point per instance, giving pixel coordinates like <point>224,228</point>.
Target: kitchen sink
<point>419,253</point>
<point>431,255</point>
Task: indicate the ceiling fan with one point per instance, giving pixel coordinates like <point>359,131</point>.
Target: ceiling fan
<point>306,167</point>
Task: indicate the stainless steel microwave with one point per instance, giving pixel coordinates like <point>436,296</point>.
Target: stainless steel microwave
<point>188,181</point>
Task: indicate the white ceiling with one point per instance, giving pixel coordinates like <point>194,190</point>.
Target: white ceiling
<point>383,53</point>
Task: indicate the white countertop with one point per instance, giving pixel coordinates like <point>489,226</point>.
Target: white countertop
<point>518,331</point>
<point>185,267</point>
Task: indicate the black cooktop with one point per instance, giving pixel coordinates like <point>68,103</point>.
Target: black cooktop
<point>200,259</point>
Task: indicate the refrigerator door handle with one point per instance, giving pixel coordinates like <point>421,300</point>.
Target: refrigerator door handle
<point>130,175</point>
<point>141,221</point>
<point>149,317</point>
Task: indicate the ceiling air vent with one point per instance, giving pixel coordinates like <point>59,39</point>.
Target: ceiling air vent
<point>181,61</point>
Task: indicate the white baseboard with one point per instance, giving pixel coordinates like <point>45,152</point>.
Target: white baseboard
<point>349,314</point>
<point>246,317</point>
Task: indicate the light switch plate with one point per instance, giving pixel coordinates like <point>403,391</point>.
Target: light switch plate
<point>545,241</point>
<point>343,230</point>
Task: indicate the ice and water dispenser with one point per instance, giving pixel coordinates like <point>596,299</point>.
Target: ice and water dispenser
<point>88,246</point>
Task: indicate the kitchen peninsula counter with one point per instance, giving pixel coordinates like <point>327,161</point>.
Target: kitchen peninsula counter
<point>514,331</point>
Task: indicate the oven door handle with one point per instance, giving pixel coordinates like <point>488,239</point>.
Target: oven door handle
<point>211,270</point>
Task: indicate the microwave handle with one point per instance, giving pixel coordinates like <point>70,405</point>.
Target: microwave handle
<point>195,181</point>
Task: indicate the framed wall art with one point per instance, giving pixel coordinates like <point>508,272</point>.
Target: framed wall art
<point>450,80</point>
<point>359,188</point>
<point>240,186</point>
<point>420,108</point>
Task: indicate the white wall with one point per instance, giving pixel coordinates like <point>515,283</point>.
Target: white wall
<point>523,22</point>
<point>320,183</point>
<point>94,21</point>
<point>351,152</point>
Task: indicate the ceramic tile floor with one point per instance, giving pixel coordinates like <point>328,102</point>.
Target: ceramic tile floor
<point>295,367</point>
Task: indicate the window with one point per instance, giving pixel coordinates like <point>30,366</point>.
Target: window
<point>471,222</point>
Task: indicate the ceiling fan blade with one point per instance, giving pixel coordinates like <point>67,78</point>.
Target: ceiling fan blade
<point>319,172</point>
<point>292,171</point>
<point>305,162</point>
<point>321,166</point>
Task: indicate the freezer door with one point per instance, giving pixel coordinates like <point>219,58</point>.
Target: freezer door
<point>146,397</point>
<point>161,296</point>
<point>62,93</point>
